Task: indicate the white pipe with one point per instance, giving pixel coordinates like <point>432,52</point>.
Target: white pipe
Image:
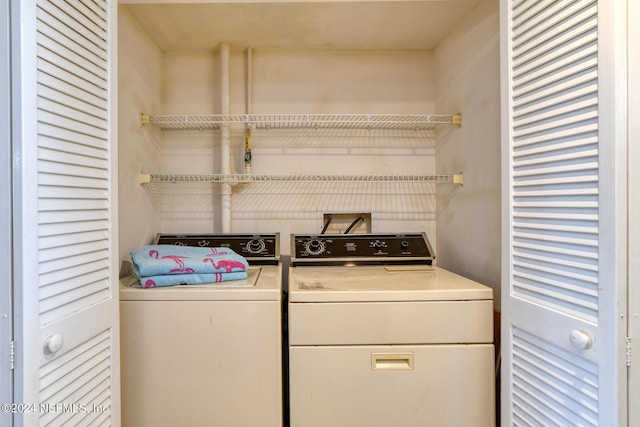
<point>249,80</point>
<point>225,151</point>
<point>247,144</point>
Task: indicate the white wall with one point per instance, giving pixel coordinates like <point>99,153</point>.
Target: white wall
<point>139,90</point>
<point>340,82</point>
<point>290,82</point>
<point>467,80</point>
<point>191,85</point>
<point>460,76</point>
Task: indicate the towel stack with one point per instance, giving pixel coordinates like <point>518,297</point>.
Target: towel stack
<point>168,265</point>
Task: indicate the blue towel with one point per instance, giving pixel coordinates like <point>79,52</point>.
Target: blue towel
<point>189,279</point>
<point>155,260</point>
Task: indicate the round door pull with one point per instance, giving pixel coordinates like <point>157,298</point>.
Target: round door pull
<point>581,339</point>
<point>53,344</point>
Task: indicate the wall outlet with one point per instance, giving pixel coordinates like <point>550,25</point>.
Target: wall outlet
<point>341,223</point>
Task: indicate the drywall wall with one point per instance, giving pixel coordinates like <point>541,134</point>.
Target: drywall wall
<point>285,82</point>
<point>191,85</point>
<point>139,90</point>
<point>468,80</point>
<point>384,82</point>
<point>460,76</point>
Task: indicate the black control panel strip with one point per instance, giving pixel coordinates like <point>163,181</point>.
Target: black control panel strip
<point>311,249</point>
<point>261,249</point>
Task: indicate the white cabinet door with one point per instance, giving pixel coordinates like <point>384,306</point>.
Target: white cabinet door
<point>564,212</point>
<point>64,219</point>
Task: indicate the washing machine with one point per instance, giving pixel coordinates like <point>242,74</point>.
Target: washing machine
<point>380,336</point>
<point>205,355</point>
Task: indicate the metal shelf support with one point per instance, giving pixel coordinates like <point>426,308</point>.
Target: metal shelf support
<point>146,178</point>
<point>302,121</point>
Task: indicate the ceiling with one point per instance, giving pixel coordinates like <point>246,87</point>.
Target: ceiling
<point>372,25</point>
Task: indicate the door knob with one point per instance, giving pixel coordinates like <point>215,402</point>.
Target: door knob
<point>581,339</point>
<point>53,344</point>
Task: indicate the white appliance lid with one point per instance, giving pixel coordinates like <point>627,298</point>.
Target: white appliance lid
<point>262,284</point>
<point>381,283</point>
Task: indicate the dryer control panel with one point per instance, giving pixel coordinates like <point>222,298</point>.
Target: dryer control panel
<point>361,248</point>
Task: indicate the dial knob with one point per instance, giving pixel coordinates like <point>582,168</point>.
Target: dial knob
<point>314,247</point>
<point>377,244</point>
<point>255,246</point>
<point>404,244</point>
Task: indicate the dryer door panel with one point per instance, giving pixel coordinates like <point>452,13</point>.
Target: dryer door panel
<point>438,322</point>
<point>409,386</point>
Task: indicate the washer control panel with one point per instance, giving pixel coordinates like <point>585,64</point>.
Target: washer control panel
<point>366,248</point>
<point>261,248</point>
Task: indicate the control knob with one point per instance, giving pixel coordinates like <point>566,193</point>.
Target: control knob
<point>255,246</point>
<point>314,247</point>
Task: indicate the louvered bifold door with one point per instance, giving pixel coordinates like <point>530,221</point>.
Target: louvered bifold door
<point>560,236</point>
<point>72,360</point>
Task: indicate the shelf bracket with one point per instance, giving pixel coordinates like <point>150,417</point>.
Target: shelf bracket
<point>145,119</point>
<point>457,120</point>
<point>145,178</point>
<point>458,178</point>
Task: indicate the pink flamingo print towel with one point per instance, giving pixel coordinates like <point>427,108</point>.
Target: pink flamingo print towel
<point>189,279</point>
<point>155,260</point>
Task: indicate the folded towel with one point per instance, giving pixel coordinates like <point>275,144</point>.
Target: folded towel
<point>155,260</point>
<point>189,279</point>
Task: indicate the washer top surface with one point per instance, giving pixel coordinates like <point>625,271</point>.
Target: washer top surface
<point>264,277</point>
<point>381,283</point>
<point>262,284</point>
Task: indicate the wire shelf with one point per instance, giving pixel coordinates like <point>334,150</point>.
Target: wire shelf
<point>249,178</point>
<point>302,121</point>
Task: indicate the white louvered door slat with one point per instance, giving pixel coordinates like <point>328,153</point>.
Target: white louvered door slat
<point>69,249</point>
<point>558,275</point>
<point>6,196</point>
<point>55,96</point>
<point>634,207</point>
<point>66,77</point>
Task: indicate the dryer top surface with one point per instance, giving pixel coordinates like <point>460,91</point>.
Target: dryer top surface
<point>382,283</point>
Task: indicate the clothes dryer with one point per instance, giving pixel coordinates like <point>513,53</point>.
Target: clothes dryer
<point>379,336</point>
<point>207,354</point>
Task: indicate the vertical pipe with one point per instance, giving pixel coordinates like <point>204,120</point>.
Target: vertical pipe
<point>225,153</point>
<point>249,80</point>
<point>247,135</point>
